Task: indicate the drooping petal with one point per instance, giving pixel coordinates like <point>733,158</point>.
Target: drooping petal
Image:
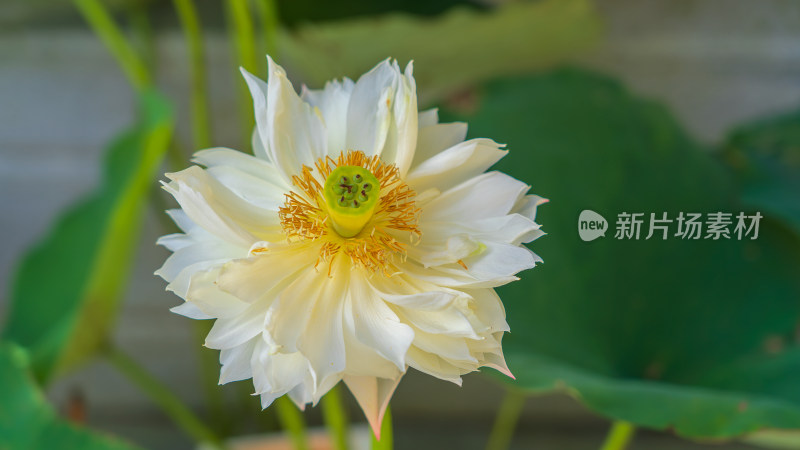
<point>235,362</point>
<point>307,317</point>
<point>373,395</point>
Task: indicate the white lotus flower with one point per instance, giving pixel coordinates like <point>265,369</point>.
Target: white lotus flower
<point>363,238</point>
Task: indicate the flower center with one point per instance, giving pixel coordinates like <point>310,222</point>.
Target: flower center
<point>351,194</point>
<point>355,206</point>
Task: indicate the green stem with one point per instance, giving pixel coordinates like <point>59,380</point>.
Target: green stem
<point>387,435</point>
<point>193,33</point>
<point>292,421</point>
<point>506,421</point>
<point>268,15</point>
<point>101,22</point>
<point>335,418</point>
<point>243,36</point>
<point>619,436</point>
<point>142,32</point>
<point>163,397</point>
<point>209,376</point>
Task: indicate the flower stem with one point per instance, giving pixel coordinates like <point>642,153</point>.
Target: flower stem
<point>506,421</point>
<point>241,27</point>
<point>209,376</point>
<point>619,436</point>
<point>292,421</point>
<point>192,32</point>
<point>268,15</point>
<point>387,435</point>
<point>101,22</point>
<point>335,418</point>
<point>163,397</point>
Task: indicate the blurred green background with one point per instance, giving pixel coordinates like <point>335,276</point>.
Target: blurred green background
<point>638,106</point>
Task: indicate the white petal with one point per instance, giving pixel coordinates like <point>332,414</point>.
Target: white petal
<point>452,276</point>
<point>332,103</point>
<point>527,205</point>
<point>307,317</point>
<point>212,250</point>
<point>455,165</point>
<point>219,210</point>
<point>182,220</point>
<point>434,365</point>
<point>428,117</point>
<point>500,261</point>
<point>204,293</point>
<point>253,278</point>
<point>433,139</point>
<point>489,195</point>
<point>233,331</point>
<point>373,395</point>
<point>291,128</point>
<point>376,325</point>
<point>257,167</point>
<point>489,309</point>
<point>236,362</point>
<point>404,127</point>
<point>277,373</point>
<point>369,111</point>
<point>188,309</point>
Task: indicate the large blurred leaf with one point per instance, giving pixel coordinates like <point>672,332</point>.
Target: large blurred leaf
<point>65,295</point>
<point>27,421</point>
<point>451,52</point>
<point>698,335</point>
<point>766,160</point>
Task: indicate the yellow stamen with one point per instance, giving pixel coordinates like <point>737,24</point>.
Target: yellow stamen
<point>307,214</point>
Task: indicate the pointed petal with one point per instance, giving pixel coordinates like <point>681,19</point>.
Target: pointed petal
<point>373,395</point>
<point>455,165</point>
<point>434,139</point>
<point>332,103</point>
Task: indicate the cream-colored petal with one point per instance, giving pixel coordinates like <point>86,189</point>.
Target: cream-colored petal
<point>434,365</point>
<point>277,373</point>
<point>332,102</point>
<point>204,293</point>
<point>455,165</point>
<point>376,325</point>
<point>291,129</point>
<point>252,165</point>
<point>235,362</point>
<point>373,395</point>
<point>435,138</point>
<point>402,138</point>
<point>428,117</point>
<point>307,317</point>
<point>266,273</point>
<point>233,331</point>
<point>492,194</point>
<point>220,211</point>
<point>370,108</point>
